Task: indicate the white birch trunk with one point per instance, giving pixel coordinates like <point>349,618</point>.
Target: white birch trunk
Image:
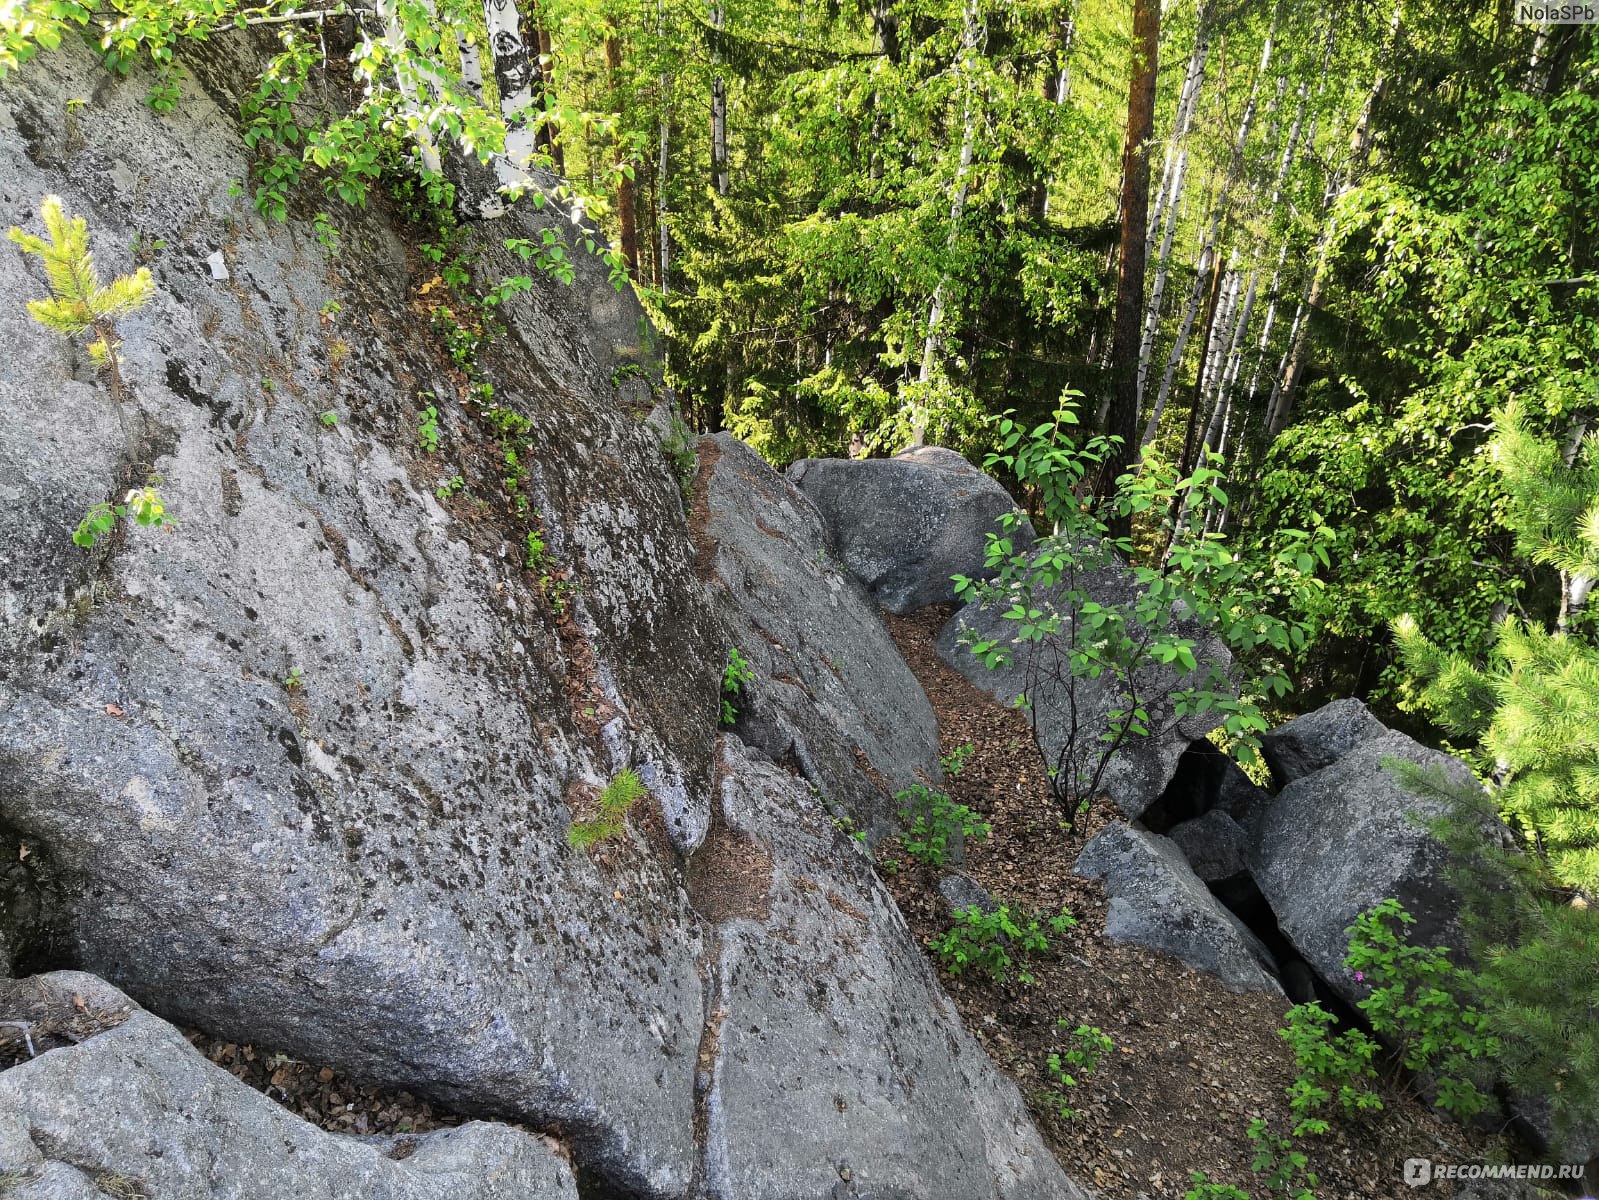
<point>719,167</point>
<point>957,207</point>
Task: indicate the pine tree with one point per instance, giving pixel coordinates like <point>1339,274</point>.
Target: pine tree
<point>80,303</point>
<point>1535,705</point>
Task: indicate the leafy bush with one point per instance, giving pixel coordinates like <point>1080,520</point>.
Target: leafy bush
<point>1419,1000</point>
<point>735,675</point>
<point>1138,651</point>
<point>616,801</point>
<point>1089,1045</point>
<point>935,821</point>
<point>1329,1067</point>
<point>1203,1189</point>
<point>1284,1169</point>
<point>986,940</point>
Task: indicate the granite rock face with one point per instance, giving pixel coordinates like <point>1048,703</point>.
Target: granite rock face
<point>136,1104</point>
<point>831,694</point>
<point>1306,744</point>
<point>906,525</point>
<point>883,1088</point>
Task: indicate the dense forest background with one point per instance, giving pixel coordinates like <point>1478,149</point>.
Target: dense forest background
<point>1366,227</point>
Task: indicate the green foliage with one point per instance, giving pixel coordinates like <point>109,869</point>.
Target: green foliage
<point>955,761</point>
<point>536,551</point>
<point>1086,1048</point>
<point>624,791</point>
<point>79,303</point>
<point>1330,1067</point>
<point>427,430</point>
<point>1283,1169</point>
<point>1077,629</point>
<point>329,418</point>
<point>934,822</point>
<point>735,674</point>
<point>1203,1189</point>
<point>1535,954</point>
<point>1534,705</point>
<point>1419,1002</point>
<point>142,505</point>
<point>294,681</point>
<point>986,941</point>
<point>679,445</point>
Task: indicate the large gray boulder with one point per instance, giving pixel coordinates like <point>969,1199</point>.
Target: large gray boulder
<point>1335,843</point>
<point>835,1064</point>
<point>905,525</point>
<point>1072,714</point>
<point>136,1106</point>
<point>831,694</point>
<point>369,869</point>
<point>1156,900</point>
<point>1306,744</point>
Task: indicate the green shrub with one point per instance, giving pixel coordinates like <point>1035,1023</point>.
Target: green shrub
<point>1080,1059</point>
<point>1284,1169</point>
<point>986,940</point>
<point>1203,1189</point>
<point>933,822</point>
<point>1328,1067</point>
<point>616,801</point>
<point>1419,1000</point>
<point>734,676</point>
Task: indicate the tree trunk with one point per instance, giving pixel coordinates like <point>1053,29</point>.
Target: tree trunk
<point>971,34</point>
<point>720,176</point>
<point>1127,331</point>
<point>626,210</point>
<point>394,36</point>
<point>1282,403</point>
<point>514,67</point>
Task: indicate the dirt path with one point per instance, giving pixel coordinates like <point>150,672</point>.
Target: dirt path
<point>1193,1063</point>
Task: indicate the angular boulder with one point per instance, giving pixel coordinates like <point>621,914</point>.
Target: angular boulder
<point>134,1106</point>
<point>835,1065</point>
<point>1071,714</point>
<point>1335,843</point>
<point>906,525</point>
<point>1214,845</point>
<point>1318,739</point>
<point>1156,900</point>
<point>831,694</point>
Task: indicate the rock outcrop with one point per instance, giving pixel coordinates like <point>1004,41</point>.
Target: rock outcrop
<point>135,1106</point>
<point>1156,900</point>
<point>906,525</point>
<point>301,770</point>
<point>831,694</point>
<point>1338,841</point>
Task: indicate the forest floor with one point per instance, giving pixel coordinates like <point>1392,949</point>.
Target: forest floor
<point>1193,1063</point>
